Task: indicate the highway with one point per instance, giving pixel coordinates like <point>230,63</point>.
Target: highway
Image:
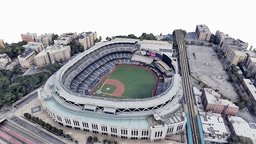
<point>36,131</point>
<point>189,99</point>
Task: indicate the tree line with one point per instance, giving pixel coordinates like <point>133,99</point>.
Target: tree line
<point>14,86</point>
<point>144,36</point>
<point>47,126</point>
<point>14,49</point>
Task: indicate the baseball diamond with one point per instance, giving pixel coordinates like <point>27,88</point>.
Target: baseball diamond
<point>128,81</point>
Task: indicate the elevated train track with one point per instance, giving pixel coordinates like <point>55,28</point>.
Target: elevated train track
<point>189,100</point>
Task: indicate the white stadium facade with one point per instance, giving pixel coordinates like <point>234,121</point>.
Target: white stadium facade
<point>66,95</point>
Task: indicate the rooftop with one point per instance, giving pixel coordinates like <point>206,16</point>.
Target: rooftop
<point>214,128</point>
<point>213,124</point>
<point>157,120</point>
<point>31,34</point>
<point>241,45</point>
<point>215,98</point>
<point>203,28</point>
<point>153,122</point>
<point>53,48</point>
<point>253,59</point>
<point>4,55</point>
<point>250,86</point>
<point>243,128</point>
<point>32,45</point>
<point>26,53</point>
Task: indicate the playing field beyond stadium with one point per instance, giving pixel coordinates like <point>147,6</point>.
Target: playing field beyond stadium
<point>128,81</point>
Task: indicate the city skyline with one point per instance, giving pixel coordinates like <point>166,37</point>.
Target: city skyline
<point>110,18</point>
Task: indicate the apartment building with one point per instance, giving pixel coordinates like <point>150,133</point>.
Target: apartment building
<point>212,102</point>
<point>29,37</point>
<point>26,58</point>
<point>235,56</point>
<point>2,43</point>
<point>35,46</point>
<point>65,38</point>
<point>221,36</point>
<point>52,54</point>
<point>240,127</point>
<point>86,39</point>
<point>234,50</point>
<point>250,89</point>
<point>45,39</point>
<point>214,129</point>
<point>203,32</point>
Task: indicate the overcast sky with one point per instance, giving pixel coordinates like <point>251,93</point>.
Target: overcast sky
<point>120,17</point>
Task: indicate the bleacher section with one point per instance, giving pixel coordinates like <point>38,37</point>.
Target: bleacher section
<point>84,81</point>
<point>91,68</point>
<point>164,68</point>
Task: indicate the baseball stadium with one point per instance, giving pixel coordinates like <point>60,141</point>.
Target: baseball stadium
<point>125,88</point>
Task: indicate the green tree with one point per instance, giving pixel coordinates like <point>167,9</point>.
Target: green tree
<point>75,48</point>
<point>60,132</point>
<point>253,107</point>
<point>55,37</point>
<point>245,98</point>
<point>4,82</point>
<point>47,126</point>
<point>27,115</point>
<point>14,49</point>
<point>132,36</point>
<point>95,139</point>
<point>234,139</point>
<point>98,39</point>
<point>9,98</point>
<point>108,39</point>
<point>147,36</point>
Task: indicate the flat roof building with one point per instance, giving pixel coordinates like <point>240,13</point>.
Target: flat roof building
<point>86,39</point>
<point>163,47</point>
<point>221,36</point>
<point>52,54</point>
<point>235,56</point>
<point>250,89</point>
<point>71,35</point>
<point>29,37</point>
<point>234,50</point>
<point>212,102</point>
<point>251,63</point>
<point>45,39</point>
<point>36,46</point>
<point>241,127</point>
<point>2,43</point>
<point>214,129</point>
<point>203,32</point>
<point>62,41</point>
<point>26,58</point>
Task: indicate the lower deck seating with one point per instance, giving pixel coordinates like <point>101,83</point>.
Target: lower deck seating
<point>87,79</point>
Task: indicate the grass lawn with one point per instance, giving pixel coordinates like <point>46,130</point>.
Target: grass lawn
<point>139,82</point>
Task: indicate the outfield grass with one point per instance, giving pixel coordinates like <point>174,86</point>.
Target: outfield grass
<point>139,82</point>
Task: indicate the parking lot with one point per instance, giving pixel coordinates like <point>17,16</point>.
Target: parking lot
<point>206,67</point>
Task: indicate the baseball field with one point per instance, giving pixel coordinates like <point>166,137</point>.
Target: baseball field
<point>127,82</point>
